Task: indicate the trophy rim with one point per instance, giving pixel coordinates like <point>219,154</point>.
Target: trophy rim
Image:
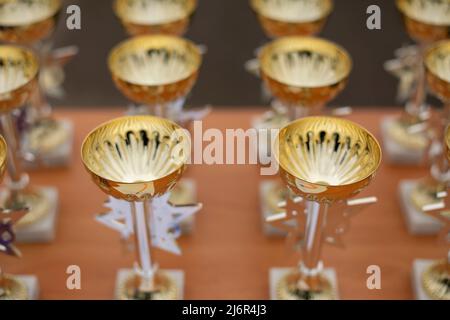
<point>311,43</point>
<point>57,5</point>
<point>3,155</point>
<point>374,169</point>
<point>192,6</point>
<point>18,49</point>
<point>402,7</point>
<point>429,57</point>
<point>193,49</point>
<point>256,6</point>
<point>121,119</point>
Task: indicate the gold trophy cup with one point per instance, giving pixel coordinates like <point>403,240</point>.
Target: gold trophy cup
<point>141,17</point>
<point>280,18</point>
<point>324,162</point>
<point>138,159</point>
<point>426,21</point>
<point>30,23</point>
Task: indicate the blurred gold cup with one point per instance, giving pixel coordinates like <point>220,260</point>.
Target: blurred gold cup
<point>325,161</point>
<point>155,16</point>
<point>155,70</point>
<point>137,158</point>
<point>304,73</point>
<point>280,18</point>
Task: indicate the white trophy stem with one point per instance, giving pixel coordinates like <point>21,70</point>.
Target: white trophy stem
<point>311,265</point>
<point>141,213</point>
<point>417,106</point>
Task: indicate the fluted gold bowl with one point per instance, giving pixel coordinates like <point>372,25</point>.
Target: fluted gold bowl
<point>3,155</point>
<point>137,157</point>
<point>437,64</point>
<point>326,159</point>
<point>27,21</point>
<point>426,21</point>
<point>304,71</point>
<point>280,18</point>
<point>155,69</point>
<point>18,72</point>
<point>155,16</point>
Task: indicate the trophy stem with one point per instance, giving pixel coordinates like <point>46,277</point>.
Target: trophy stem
<point>311,265</point>
<point>41,107</point>
<point>16,174</point>
<point>141,212</point>
<point>417,106</point>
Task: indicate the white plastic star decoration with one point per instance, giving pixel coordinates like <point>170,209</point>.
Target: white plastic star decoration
<point>164,225</point>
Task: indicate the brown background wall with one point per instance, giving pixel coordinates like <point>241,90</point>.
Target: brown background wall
<point>231,32</point>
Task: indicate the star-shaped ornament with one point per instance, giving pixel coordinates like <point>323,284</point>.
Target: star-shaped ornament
<point>8,218</point>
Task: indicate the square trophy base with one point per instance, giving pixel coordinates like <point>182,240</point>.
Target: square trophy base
<point>175,277</point>
<point>185,192</point>
<point>44,228</point>
<point>266,193</point>
<point>24,287</point>
<point>419,267</point>
<point>60,156</point>
<point>417,222</point>
<point>396,152</point>
<point>277,274</point>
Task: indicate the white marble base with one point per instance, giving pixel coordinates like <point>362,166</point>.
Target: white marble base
<point>268,229</point>
<point>275,275</point>
<point>176,275</point>
<point>44,230</point>
<point>419,266</point>
<point>397,153</point>
<point>417,222</point>
<point>60,157</point>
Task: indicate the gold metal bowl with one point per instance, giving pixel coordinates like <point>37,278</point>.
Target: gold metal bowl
<point>304,71</point>
<point>437,64</point>
<point>326,159</point>
<point>137,157</point>
<point>27,21</point>
<point>3,154</point>
<point>155,16</point>
<point>18,72</point>
<point>426,21</point>
<point>280,18</point>
<point>155,69</point>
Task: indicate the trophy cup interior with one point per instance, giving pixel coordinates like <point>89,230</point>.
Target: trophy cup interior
<point>155,68</point>
<point>137,157</point>
<point>304,71</point>
<point>426,20</point>
<point>18,69</point>
<point>27,21</point>
<point>293,11</point>
<point>437,63</point>
<point>155,16</point>
<point>327,159</point>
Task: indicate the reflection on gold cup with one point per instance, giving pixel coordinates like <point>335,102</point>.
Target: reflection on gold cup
<point>437,64</point>
<point>155,69</point>
<point>280,18</point>
<point>27,21</point>
<point>323,160</point>
<point>155,16</point>
<point>304,72</point>
<point>426,21</point>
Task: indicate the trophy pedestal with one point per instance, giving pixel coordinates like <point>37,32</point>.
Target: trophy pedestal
<point>185,192</point>
<point>419,267</point>
<point>43,229</point>
<point>265,190</point>
<point>398,153</point>
<point>24,287</point>
<point>177,276</point>
<point>418,223</point>
<point>58,157</point>
<point>276,274</point>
